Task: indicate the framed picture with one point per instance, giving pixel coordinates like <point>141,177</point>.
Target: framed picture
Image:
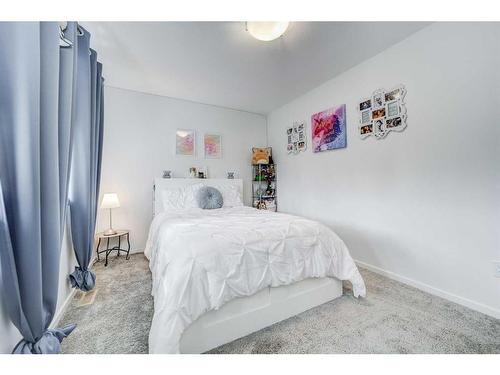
<point>387,113</point>
<point>366,129</point>
<point>296,137</point>
<point>393,123</point>
<point>377,113</point>
<point>378,99</point>
<point>392,109</point>
<point>184,142</point>
<point>365,104</point>
<point>213,146</point>
<point>379,124</point>
<point>393,95</point>
<point>366,117</point>
<point>328,129</point>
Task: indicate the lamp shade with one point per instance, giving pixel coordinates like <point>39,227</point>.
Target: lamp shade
<point>110,200</point>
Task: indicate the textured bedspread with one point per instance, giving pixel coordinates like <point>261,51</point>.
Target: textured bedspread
<point>201,259</point>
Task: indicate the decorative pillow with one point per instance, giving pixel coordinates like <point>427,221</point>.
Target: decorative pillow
<point>231,196</point>
<point>172,199</point>
<point>191,195</point>
<point>209,198</point>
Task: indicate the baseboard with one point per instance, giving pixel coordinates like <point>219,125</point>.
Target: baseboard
<point>59,314</point>
<point>477,306</point>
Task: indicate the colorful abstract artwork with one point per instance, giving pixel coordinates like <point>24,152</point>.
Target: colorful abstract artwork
<point>212,146</point>
<point>328,129</point>
<point>184,142</point>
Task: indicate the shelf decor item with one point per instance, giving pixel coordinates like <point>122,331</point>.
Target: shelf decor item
<point>110,201</point>
<point>328,129</point>
<point>264,186</point>
<point>383,112</point>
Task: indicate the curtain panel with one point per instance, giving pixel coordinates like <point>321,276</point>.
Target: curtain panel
<point>51,117</point>
<point>86,162</point>
<point>36,95</point>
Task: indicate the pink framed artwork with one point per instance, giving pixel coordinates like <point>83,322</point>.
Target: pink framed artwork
<point>328,129</point>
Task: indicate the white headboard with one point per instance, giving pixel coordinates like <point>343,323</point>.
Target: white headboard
<point>172,183</point>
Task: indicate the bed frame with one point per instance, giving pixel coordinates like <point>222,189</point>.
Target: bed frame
<point>246,315</point>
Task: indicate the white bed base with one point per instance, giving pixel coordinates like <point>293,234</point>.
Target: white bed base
<point>246,315</point>
<point>242,316</point>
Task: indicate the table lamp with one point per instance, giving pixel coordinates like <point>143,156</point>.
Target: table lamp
<point>110,200</point>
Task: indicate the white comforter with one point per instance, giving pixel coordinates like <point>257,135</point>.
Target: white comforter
<point>201,259</point>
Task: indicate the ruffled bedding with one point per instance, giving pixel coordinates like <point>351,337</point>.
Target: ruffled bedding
<point>201,259</point>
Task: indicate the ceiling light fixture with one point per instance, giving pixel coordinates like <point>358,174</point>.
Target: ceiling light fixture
<point>266,31</point>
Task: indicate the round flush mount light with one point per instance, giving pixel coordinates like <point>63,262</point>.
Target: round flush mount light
<point>266,31</point>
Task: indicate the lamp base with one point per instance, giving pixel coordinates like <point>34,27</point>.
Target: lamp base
<point>109,232</point>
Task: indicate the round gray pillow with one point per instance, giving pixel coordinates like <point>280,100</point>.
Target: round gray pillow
<point>209,198</point>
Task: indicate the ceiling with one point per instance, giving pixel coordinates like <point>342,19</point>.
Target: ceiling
<point>219,63</point>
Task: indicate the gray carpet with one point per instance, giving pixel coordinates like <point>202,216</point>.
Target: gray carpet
<point>394,318</point>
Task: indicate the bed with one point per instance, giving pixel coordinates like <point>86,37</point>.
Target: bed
<point>222,274</point>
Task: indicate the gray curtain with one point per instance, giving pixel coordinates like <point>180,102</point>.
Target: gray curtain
<point>36,112</point>
<point>86,163</point>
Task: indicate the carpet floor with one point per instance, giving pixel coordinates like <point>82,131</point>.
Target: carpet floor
<point>393,318</point>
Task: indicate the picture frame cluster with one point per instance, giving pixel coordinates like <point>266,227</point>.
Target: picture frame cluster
<point>383,112</point>
<point>296,136</point>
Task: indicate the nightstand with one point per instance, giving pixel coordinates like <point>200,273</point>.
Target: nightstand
<point>119,234</point>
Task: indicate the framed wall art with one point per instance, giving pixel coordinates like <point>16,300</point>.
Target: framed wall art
<point>213,146</point>
<point>184,142</point>
<point>296,137</point>
<point>383,112</point>
<point>328,129</point>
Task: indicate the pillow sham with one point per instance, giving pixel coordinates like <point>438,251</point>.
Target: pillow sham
<point>231,196</point>
<point>191,195</point>
<point>172,198</point>
<point>209,198</point>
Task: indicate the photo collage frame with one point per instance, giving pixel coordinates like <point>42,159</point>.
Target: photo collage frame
<point>296,136</point>
<point>383,112</point>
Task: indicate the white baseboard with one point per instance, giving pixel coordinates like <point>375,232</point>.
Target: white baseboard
<point>59,314</point>
<point>485,309</point>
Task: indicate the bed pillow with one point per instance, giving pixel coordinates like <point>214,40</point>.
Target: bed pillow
<point>172,198</point>
<point>191,195</point>
<point>231,195</point>
<point>209,198</point>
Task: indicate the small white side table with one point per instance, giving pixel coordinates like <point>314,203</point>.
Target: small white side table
<point>119,234</point>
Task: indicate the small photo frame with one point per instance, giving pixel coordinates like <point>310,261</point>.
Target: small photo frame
<point>366,104</point>
<point>392,109</point>
<point>393,123</point>
<point>378,99</point>
<point>366,129</point>
<point>378,113</point>
<point>393,95</point>
<point>378,125</point>
<point>366,117</point>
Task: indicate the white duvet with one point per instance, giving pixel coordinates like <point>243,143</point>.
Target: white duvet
<point>201,259</point>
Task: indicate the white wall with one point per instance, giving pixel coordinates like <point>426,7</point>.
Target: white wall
<point>139,140</point>
<point>422,205</point>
